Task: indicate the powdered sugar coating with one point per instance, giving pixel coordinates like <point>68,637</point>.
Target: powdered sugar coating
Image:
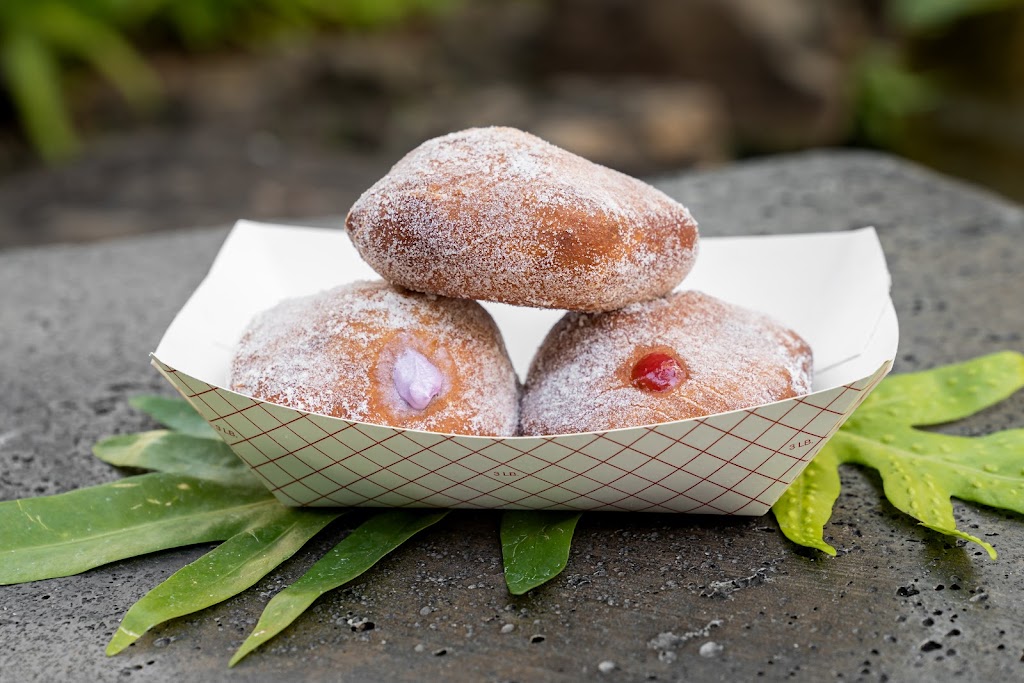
<point>334,353</point>
<point>501,215</point>
<point>735,358</point>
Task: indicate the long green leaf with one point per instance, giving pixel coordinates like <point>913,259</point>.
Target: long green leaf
<point>174,413</point>
<point>79,35</point>
<point>922,470</point>
<point>535,546</point>
<point>942,394</point>
<point>33,79</point>
<point>225,571</point>
<point>166,451</point>
<point>359,551</point>
<point>71,532</point>
<point>986,470</point>
<point>805,507</point>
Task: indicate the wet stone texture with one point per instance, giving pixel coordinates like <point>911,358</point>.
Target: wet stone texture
<point>645,597</point>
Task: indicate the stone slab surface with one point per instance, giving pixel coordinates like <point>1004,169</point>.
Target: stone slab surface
<point>646,592</point>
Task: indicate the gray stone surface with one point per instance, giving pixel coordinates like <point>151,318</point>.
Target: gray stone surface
<point>898,603</point>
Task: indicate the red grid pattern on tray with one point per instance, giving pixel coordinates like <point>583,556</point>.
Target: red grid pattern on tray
<point>696,466</point>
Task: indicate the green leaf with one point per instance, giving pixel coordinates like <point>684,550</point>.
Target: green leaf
<point>227,570</point>
<point>922,470</point>
<point>166,451</point>
<point>913,483</point>
<point>69,533</point>
<point>77,34</point>
<point>535,546</point>
<point>944,394</point>
<point>33,78</point>
<point>175,413</point>
<point>806,506</point>
<point>356,553</point>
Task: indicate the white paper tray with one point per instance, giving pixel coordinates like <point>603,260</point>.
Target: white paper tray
<point>832,288</point>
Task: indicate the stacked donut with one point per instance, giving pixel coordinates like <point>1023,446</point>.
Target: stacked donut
<point>497,214</point>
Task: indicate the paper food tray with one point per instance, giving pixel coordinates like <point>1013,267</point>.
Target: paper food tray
<point>832,288</point>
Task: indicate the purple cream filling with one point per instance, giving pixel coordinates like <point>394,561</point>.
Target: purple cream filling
<point>416,379</point>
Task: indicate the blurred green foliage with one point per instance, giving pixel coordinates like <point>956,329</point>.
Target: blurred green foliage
<point>40,40</point>
<point>921,16</point>
<point>889,90</point>
<point>205,24</point>
<point>43,41</point>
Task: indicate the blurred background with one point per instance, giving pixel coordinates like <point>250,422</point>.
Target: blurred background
<point>125,116</point>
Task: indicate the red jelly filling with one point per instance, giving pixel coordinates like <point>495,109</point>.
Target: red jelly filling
<point>657,372</point>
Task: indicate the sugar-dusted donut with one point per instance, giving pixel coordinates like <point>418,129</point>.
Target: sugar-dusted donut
<point>674,358</point>
<point>368,352</point>
<point>501,215</point>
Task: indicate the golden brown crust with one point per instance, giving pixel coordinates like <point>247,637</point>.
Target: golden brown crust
<point>732,358</point>
<point>334,353</point>
<point>500,215</point>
